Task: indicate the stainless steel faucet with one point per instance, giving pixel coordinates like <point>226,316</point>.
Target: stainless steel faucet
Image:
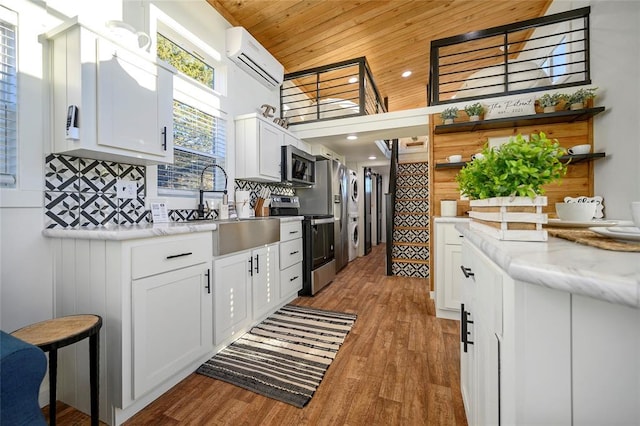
<point>201,210</point>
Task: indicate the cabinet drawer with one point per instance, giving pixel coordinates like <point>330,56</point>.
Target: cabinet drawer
<point>290,230</point>
<point>290,280</point>
<point>168,254</point>
<point>290,253</point>
<point>451,235</point>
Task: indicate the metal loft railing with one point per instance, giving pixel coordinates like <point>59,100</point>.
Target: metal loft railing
<point>533,55</point>
<point>390,201</point>
<point>339,90</point>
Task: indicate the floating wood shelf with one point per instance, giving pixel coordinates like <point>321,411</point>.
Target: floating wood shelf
<point>570,159</point>
<point>567,116</point>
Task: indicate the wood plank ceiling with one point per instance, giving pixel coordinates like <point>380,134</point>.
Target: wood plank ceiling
<point>394,35</point>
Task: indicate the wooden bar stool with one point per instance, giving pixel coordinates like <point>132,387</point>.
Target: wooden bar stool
<point>50,335</point>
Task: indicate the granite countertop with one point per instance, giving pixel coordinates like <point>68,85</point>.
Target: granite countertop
<point>563,265</point>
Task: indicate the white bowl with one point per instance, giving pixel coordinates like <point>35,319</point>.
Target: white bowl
<point>576,212</point>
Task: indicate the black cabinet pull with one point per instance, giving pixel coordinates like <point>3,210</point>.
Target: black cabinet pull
<point>173,256</point>
<point>257,264</point>
<point>293,232</point>
<point>251,265</point>
<point>464,332</point>
<point>164,138</point>
<point>466,271</point>
<point>293,252</point>
<point>294,278</point>
<point>208,287</point>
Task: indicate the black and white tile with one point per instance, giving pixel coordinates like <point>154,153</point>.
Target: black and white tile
<point>410,252</point>
<point>410,269</point>
<point>81,192</point>
<point>256,187</point>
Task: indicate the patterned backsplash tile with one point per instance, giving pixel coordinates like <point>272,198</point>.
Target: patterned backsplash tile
<point>81,192</point>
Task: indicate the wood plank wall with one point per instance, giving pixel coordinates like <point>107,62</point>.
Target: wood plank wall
<point>442,184</point>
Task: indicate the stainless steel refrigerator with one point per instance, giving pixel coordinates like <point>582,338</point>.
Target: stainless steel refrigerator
<point>329,196</point>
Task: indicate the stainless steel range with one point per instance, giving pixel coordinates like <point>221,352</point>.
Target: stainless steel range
<point>319,264</point>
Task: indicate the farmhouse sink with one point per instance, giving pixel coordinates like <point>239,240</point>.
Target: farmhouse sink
<point>236,235</point>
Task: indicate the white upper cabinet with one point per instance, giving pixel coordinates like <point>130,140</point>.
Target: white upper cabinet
<point>124,99</point>
<point>258,153</point>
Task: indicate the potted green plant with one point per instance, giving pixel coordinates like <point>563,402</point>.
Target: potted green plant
<point>549,102</point>
<point>474,111</point>
<point>508,177</point>
<point>579,98</point>
<point>449,114</point>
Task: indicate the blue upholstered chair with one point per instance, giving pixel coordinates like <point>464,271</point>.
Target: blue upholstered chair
<point>22,368</point>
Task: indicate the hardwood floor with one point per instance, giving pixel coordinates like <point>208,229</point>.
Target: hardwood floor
<point>398,366</point>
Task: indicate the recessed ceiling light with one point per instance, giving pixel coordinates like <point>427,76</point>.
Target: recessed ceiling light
<point>352,137</point>
<point>372,157</point>
<point>353,80</point>
<point>406,74</point>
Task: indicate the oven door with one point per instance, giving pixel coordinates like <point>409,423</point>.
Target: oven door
<point>322,241</point>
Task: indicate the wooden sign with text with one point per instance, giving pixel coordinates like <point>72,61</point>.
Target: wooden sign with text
<point>511,108</point>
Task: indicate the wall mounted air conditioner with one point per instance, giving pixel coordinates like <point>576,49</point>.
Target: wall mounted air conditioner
<point>249,55</point>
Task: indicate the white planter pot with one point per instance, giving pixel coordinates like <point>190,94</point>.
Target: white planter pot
<point>474,118</point>
<point>448,121</point>
<point>549,109</point>
<point>576,106</point>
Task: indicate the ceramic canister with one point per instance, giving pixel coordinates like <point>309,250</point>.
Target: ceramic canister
<point>448,208</point>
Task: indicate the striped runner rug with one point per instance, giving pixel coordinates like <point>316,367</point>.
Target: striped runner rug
<point>284,357</point>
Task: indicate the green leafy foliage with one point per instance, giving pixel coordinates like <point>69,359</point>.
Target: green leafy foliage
<point>548,100</point>
<point>580,96</point>
<point>449,113</point>
<point>517,168</point>
<point>184,61</point>
<point>474,109</point>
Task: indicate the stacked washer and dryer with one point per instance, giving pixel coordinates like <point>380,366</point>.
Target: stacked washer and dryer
<point>353,215</point>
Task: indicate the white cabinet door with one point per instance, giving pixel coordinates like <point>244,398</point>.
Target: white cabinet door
<point>270,141</point>
<point>447,275</point>
<point>172,317</point>
<point>265,280</point>
<point>124,100</point>
<point>605,362</point>
<point>232,296</point>
<point>452,277</point>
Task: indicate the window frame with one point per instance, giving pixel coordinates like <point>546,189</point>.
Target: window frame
<point>11,18</point>
<point>191,92</point>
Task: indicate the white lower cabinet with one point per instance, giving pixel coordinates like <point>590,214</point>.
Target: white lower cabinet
<point>447,277</point>
<point>290,260</point>
<point>172,322</point>
<point>155,299</point>
<point>245,288</point>
<point>544,356</point>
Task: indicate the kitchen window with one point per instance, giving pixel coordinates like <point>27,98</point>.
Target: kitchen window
<point>199,129</point>
<point>8,99</point>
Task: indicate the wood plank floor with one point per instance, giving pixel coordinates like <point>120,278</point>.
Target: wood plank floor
<point>398,366</point>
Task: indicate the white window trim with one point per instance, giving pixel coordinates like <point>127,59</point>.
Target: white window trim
<point>190,92</point>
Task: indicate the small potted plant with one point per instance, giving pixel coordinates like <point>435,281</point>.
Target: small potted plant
<point>474,111</point>
<point>449,114</point>
<point>511,178</point>
<point>579,98</point>
<point>549,102</point>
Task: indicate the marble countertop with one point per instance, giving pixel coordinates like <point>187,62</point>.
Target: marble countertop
<point>563,265</point>
<point>131,232</point>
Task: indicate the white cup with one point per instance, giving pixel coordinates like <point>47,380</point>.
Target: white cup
<point>454,158</point>
<point>635,213</point>
<point>579,149</point>
<point>477,156</point>
<point>448,208</point>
